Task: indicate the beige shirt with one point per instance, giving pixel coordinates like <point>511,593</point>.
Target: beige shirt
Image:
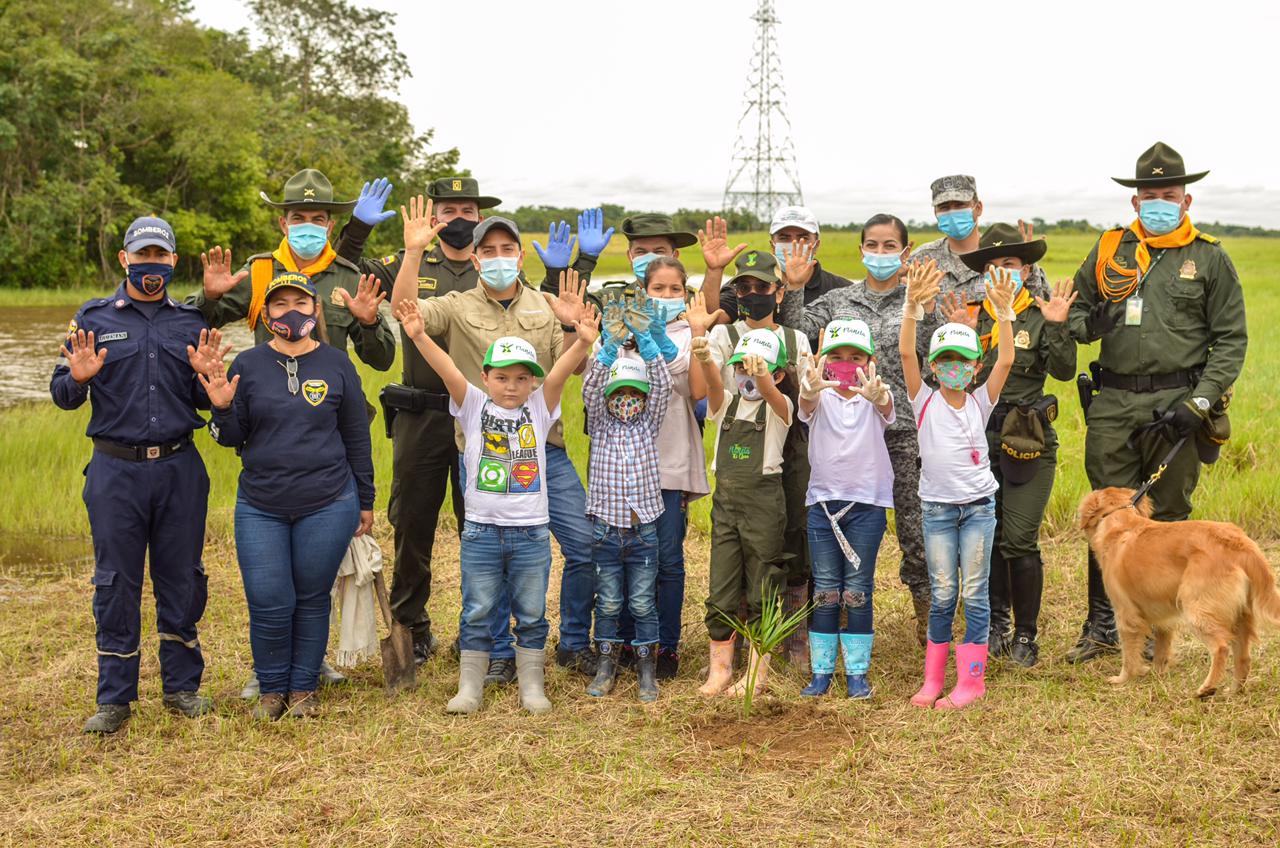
<point>469,321</point>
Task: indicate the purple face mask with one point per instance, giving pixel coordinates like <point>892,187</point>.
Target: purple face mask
<point>292,325</point>
<point>846,373</point>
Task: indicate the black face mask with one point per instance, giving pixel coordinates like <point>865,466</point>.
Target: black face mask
<point>758,306</point>
<point>457,234</point>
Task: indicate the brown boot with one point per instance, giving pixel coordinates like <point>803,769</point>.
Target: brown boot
<point>720,674</point>
<point>739,689</point>
<point>921,605</point>
<point>269,707</point>
<point>303,705</point>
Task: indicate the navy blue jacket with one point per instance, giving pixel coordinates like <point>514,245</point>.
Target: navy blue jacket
<point>146,392</point>
<point>299,451</point>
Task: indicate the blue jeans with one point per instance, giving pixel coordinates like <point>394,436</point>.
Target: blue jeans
<point>626,561</point>
<point>836,582</point>
<point>671,526</point>
<point>567,505</point>
<point>288,564</point>
<point>504,564</point>
<point>957,547</point>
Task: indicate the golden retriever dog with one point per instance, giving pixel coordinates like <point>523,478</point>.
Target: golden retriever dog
<point>1158,574</point>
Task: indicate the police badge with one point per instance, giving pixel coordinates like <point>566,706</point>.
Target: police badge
<point>315,391</point>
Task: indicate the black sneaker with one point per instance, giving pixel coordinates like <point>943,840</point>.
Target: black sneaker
<point>502,671</point>
<point>1000,643</point>
<point>108,718</point>
<point>424,645</point>
<point>582,661</point>
<point>668,663</point>
<point>1025,652</point>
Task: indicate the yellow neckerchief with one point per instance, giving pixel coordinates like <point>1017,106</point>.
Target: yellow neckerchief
<point>1020,303</point>
<point>284,256</point>
<point>1116,283</point>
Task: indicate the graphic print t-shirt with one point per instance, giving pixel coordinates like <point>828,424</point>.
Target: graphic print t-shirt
<point>505,458</point>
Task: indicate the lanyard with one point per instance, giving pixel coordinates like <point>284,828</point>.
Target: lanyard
<point>847,549</point>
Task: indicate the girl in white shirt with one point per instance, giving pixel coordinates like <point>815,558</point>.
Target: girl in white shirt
<point>956,485</point>
<point>847,407</point>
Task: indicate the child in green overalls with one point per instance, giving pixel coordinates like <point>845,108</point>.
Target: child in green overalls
<point>1020,432</point>
<point>747,514</point>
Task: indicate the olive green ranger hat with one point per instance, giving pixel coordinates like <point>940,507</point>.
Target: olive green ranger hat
<point>756,263</point>
<point>309,189</point>
<point>999,241</point>
<point>460,188</point>
<point>652,225</point>
<point>1160,165</point>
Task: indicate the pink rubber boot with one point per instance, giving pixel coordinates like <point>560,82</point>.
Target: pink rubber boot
<point>971,672</point>
<point>935,672</point>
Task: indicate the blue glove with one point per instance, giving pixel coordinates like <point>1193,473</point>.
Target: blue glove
<point>371,200</point>
<point>593,238</point>
<point>559,247</point>
<point>608,352</point>
<point>647,347</point>
<point>658,330</point>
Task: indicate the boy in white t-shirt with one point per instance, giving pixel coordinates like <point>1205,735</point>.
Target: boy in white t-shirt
<point>747,510</point>
<point>506,543</point>
<point>847,407</point>
<point>957,487</point>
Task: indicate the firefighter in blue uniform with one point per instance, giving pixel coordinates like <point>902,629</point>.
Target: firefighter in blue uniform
<point>134,357</point>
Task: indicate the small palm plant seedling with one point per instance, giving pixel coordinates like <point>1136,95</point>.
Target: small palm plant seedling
<point>766,633</point>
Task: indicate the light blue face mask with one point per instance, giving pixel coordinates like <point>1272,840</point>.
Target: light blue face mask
<point>957,224</point>
<point>671,307</point>
<point>499,272</point>
<point>1014,274</point>
<point>308,240</point>
<point>641,263</point>
<point>781,251</point>
<point>882,266</point>
<point>1159,216</point>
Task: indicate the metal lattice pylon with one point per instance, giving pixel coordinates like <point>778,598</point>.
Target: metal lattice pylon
<point>763,174</point>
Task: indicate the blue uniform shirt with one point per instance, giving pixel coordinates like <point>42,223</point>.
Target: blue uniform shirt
<point>146,392</point>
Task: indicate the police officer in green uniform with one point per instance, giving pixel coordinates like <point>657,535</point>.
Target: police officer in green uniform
<point>1020,431</point>
<point>424,457</point>
<point>1165,302</point>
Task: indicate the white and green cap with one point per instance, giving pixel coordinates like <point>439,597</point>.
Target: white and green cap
<point>848,332</point>
<point>627,372</point>
<point>958,337</point>
<point>513,350</point>
<point>764,343</point>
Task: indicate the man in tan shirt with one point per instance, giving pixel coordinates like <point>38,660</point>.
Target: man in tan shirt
<point>469,321</point>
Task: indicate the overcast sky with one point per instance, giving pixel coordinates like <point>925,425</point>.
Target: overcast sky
<point>579,102</point>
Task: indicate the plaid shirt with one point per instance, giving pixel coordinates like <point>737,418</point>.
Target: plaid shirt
<point>623,475</point>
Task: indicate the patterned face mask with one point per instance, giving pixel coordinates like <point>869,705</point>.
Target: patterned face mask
<point>955,374</point>
<point>625,407</point>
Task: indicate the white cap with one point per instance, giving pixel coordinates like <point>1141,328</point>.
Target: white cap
<point>961,338</point>
<point>845,332</point>
<point>762,343</point>
<point>794,216</point>
<point>627,372</point>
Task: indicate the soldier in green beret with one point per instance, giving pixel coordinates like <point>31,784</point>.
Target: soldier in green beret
<point>1165,303</point>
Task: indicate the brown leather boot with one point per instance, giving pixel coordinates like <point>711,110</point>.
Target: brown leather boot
<point>269,707</point>
<point>303,705</point>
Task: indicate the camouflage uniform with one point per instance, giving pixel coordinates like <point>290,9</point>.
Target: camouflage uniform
<point>959,277</point>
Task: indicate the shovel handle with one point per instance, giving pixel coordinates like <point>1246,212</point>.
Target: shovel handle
<point>380,587</point>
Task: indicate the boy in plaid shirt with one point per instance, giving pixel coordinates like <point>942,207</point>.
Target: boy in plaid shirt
<point>625,401</point>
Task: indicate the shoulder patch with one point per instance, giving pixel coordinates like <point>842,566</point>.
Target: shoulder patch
<point>1208,238</point>
<point>72,327</point>
<point>389,260</point>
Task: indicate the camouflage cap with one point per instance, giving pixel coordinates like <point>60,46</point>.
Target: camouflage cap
<point>959,187</point>
<point>460,188</point>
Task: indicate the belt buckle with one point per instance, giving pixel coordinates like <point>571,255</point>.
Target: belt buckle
<point>153,451</point>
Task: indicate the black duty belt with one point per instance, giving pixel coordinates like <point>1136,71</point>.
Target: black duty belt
<point>1144,383</point>
<point>140,453</point>
<point>409,399</point>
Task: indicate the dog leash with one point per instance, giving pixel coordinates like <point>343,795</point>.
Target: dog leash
<point>1160,469</point>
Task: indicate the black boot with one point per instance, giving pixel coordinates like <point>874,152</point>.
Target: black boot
<point>1098,636</point>
<point>1026,585</point>
<point>1000,639</point>
<point>606,669</point>
<point>647,672</point>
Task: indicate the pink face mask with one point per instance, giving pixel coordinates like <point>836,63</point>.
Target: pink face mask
<point>846,373</point>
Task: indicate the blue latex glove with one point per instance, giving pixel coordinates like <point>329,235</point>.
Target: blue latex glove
<point>647,347</point>
<point>371,200</point>
<point>593,238</point>
<point>608,352</point>
<point>559,247</point>
<point>658,330</point>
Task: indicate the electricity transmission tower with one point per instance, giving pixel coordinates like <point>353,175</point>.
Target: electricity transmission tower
<point>763,174</point>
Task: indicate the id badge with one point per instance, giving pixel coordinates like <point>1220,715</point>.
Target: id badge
<point>1133,311</point>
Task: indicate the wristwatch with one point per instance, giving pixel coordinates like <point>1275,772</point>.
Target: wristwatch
<point>1202,404</point>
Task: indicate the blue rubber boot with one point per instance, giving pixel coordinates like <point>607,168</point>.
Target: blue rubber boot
<point>822,659</point>
<point>857,660</point>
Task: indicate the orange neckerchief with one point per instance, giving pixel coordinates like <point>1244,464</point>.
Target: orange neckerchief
<point>1116,283</point>
<point>284,256</point>
<point>1020,303</point>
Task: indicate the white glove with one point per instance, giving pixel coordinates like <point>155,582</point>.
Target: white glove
<point>700,347</point>
<point>913,310</point>
<point>871,387</point>
<point>812,383</point>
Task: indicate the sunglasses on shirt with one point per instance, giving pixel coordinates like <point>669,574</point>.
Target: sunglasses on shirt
<point>291,368</point>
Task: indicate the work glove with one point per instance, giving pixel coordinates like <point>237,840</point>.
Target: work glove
<point>700,347</point>
<point>559,247</point>
<point>373,197</point>
<point>753,365</point>
<point>593,238</point>
<point>812,383</point>
<point>1101,320</point>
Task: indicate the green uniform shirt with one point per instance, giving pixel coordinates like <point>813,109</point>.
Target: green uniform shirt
<point>1040,348</point>
<point>375,345</point>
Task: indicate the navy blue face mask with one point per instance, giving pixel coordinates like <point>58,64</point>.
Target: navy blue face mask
<point>150,278</point>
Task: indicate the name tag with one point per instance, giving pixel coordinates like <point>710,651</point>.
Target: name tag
<point>112,337</point>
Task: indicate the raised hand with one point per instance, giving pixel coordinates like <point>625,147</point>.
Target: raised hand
<point>753,365</point>
<point>1000,293</point>
<point>638,313</point>
<point>954,307</point>
<point>1058,306</point>
<point>871,387</point>
<point>700,347</point>
<point>715,244</point>
<point>812,382</point>
<point>588,327</point>
<point>615,324</point>
<point>370,203</point>
<point>798,269</point>
<point>593,238</point>
<point>210,353</point>
<point>410,318</point>
<point>922,281</point>
<point>559,247</point>
<point>1026,231</point>
<point>700,322</point>
<point>571,306</point>
<point>418,231</point>
<point>369,296</point>
<point>218,279</point>
<point>220,391</point>
<point>82,357</point>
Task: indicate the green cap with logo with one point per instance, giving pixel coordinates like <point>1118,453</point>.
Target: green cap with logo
<point>513,350</point>
<point>627,372</point>
<point>763,343</point>
<point>309,189</point>
<point>958,337</point>
<point>847,332</point>
<point>653,225</point>
<point>759,264</point>
<point>460,188</point>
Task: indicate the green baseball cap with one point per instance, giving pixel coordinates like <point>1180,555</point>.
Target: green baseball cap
<point>460,188</point>
<point>765,343</point>
<point>847,332</point>
<point>627,372</point>
<point>759,264</point>
<point>309,189</point>
<point>958,337</point>
<point>653,225</point>
<point>513,350</point>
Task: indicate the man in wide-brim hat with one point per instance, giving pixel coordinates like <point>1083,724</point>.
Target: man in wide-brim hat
<point>1164,301</point>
